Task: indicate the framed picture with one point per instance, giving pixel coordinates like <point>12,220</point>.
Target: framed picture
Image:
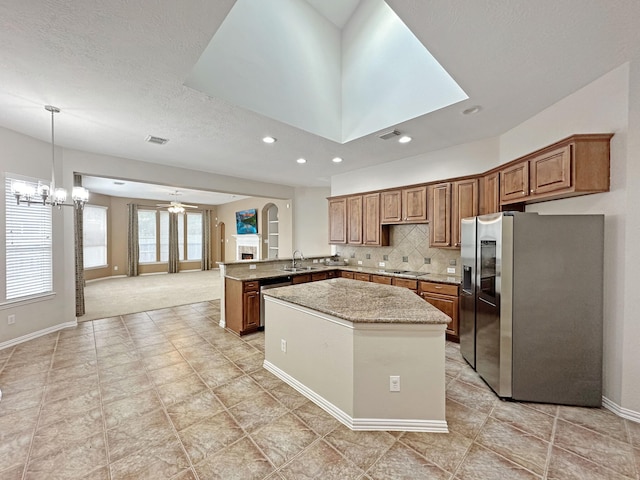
<point>247,222</point>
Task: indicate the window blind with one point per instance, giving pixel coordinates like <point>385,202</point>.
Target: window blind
<point>29,247</point>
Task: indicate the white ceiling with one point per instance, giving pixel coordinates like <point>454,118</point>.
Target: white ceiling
<point>117,71</point>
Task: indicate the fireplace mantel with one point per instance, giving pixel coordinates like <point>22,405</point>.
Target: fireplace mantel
<point>248,244</point>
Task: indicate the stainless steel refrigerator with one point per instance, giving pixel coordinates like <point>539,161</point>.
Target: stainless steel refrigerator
<point>532,305</point>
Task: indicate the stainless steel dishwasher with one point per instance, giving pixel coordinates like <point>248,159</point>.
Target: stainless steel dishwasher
<point>271,283</point>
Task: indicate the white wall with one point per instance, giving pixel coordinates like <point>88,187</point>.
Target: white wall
<point>467,159</point>
<point>311,220</point>
<point>609,104</point>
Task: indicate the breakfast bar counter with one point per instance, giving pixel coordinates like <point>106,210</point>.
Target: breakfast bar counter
<point>371,355</point>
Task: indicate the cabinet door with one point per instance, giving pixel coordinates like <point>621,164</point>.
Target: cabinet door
<point>338,220</point>
<point>345,274</point>
<point>464,204</point>
<point>354,220</point>
<point>447,305</point>
<point>301,278</point>
<point>391,205</point>
<point>440,215</point>
<point>414,204</point>
<point>514,183</point>
<point>490,194</point>
<point>551,171</point>
<point>251,307</point>
<point>372,231</point>
<point>364,277</point>
<point>316,277</point>
<point>382,279</point>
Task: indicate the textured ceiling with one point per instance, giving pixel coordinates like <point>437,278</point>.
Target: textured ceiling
<point>116,69</point>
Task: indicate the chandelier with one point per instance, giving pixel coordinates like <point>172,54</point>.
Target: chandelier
<point>48,194</point>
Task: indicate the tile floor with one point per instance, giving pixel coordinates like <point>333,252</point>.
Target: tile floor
<point>169,394</point>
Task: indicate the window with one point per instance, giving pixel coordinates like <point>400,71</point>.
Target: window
<point>94,236</point>
<point>157,238</point>
<point>29,247</point>
<point>147,236</point>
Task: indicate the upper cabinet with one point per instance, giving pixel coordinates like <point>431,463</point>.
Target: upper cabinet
<point>338,220</point>
<point>489,193</point>
<point>373,232</point>
<point>354,220</point>
<point>463,205</point>
<point>574,166</point>
<point>407,205</point>
<point>439,200</point>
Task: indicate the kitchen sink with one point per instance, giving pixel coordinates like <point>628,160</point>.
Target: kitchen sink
<point>299,269</point>
<point>407,272</point>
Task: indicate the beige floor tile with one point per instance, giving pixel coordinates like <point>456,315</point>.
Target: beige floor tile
<point>444,450</point>
<point>602,449</point>
<point>137,433</point>
<point>119,389</point>
<point>523,417</point>
<point>121,412</point>
<point>210,436</point>
<point>237,390</point>
<point>283,438</point>
<point>171,373</point>
<point>362,448</point>
<point>194,409</point>
<point>464,420</point>
<point>69,463</point>
<point>220,374</point>
<point>475,397</point>
<point>20,384</point>
<point>14,448</point>
<point>515,445</point>
<point>23,400</point>
<point>483,464</point>
<point>596,419</point>
<point>163,360</point>
<point>71,405</point>
<point>257,411</point>
<point>181,389</point>
<point>153,462</point>
<point>316,418</point>
<point>320,461</point>
<point>240,461</point>
<point>568,466</point>
<point>266,379</point>
<point>289,396</point>
<point>251,362</point>
<point>13,473</point>
<point>403,463</point>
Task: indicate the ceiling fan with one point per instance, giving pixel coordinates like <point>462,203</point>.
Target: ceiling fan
<point>175,206</point>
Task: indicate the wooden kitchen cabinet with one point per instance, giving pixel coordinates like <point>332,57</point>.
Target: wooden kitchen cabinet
<point>364,277</point>
<point>382,279</point>
<point>405,283</point>
<point>407,205</point>
<point>337,220</point>
<point>439,200</point>
<point>373,232</point>
<point>354,220</point>
<point>242,301</point>
<point>463,205</point>
<point>577,165</point>
<point>304,278</point>
<point>345,274</point>
<point>445,297</point>
<point>489,193</point>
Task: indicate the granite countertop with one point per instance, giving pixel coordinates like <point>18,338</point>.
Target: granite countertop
<point>361,302</point>
<point>264,273</point>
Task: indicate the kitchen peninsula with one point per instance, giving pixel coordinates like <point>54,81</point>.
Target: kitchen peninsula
<point>371,355</point>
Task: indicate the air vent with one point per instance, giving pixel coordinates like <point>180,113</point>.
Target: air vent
<point>388,135</point>
<point>157,140</point>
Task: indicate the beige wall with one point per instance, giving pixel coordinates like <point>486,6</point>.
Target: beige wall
<point>227,214</point>
<point>311,221</point>
<point>117,227</point>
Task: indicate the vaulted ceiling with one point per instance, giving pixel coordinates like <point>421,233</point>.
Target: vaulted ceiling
<point>117,70</point>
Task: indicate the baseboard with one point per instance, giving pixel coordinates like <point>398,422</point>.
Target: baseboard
<point>387,424</point>
<point>39,333</point>
<point>620,411</point>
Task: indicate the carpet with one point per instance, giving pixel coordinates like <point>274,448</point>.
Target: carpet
<point>111,297</point>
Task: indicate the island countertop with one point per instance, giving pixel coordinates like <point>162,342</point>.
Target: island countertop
<point>361,302</point>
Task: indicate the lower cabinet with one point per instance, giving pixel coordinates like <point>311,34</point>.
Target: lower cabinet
<point>346,274</point>
<point>445,298</point>
<point>364,277</point>
<point>242,303</point>
<point>382,279</point>
<point>304,278</point>
<point>406,283</point>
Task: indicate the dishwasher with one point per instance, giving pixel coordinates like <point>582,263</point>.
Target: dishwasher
<point>271,283</point>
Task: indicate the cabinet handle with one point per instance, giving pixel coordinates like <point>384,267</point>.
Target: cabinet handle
<point>438,288</point>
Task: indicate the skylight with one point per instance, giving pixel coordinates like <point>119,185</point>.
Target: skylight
<point>286,60</point>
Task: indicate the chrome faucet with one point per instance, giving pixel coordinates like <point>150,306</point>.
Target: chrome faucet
<point>293,259</point>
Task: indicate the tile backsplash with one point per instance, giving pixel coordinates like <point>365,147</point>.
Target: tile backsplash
<point>408,250</point>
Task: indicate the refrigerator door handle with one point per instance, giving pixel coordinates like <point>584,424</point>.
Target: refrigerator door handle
<point>486,301</point>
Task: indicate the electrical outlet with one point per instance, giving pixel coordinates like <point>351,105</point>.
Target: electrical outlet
<point>394,383</point>
<point>315,260</point>
<point>283,345</point>
<point>252,267</point>
<point>381,264</point>
<point>359,262</point>
<point>115,268</point>
<point>11,319</point>
<point>451,270</point>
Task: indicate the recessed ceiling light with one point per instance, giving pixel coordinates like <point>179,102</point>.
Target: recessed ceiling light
<point>301,160</point>
<point>405,139</point>
<point>269,140</point>
<point>118,183</point>
<point>336,160</point>
<point>472,110</point>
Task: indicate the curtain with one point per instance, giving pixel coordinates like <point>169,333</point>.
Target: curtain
<point>79,252</point>
<point>133,247</point>
<point>207,261</point>
<point>174,247</point>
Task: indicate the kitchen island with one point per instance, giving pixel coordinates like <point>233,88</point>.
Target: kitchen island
<point>371,355</point>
